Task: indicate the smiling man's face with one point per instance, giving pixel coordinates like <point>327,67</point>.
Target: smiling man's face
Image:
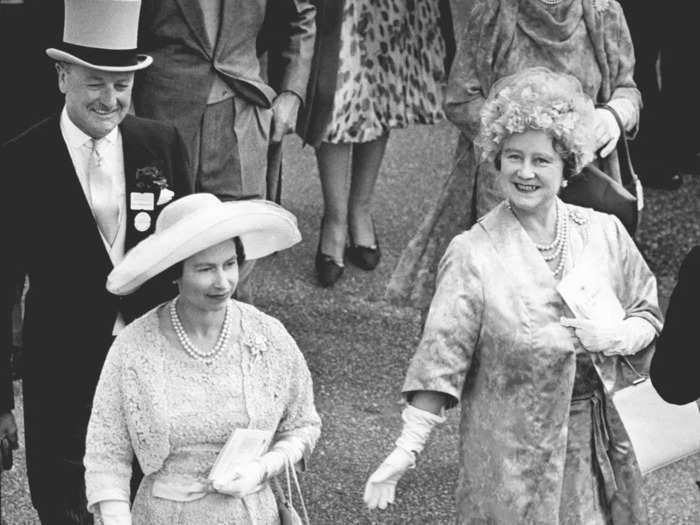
<point>96,101</point>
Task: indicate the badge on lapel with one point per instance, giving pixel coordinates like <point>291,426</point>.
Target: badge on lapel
<point>150,191</point>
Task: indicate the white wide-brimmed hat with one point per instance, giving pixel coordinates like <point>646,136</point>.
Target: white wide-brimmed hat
<point>101,34</point>
<point>196,222</point>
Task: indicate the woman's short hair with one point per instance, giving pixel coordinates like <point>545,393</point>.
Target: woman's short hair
<point>175,271</point>
<point>539,99</point>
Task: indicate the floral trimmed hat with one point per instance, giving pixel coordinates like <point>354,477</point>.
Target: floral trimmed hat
<point>539,99</point>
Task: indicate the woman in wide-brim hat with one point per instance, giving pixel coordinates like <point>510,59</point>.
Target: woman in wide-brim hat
<point>181,379</point>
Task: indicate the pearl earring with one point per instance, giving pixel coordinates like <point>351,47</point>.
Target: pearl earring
<point>564,183</point>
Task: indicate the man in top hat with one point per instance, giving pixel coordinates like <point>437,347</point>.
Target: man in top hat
<point>79,189</point>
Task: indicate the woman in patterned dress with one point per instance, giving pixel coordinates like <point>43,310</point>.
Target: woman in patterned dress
<point>180,380</point>
<point>588,39</point>
<point>380,65</point>
<point>540,440</point>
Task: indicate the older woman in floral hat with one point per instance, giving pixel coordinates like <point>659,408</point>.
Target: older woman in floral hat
<point>530,361</point>
<point>588,39</point>
<point>197,373</point>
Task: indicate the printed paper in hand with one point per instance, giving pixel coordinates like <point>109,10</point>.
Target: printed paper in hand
<point>590,297</point>
<point>245,444</point>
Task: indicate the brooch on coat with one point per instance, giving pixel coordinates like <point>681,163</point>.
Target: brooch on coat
<point>257,344</point>
<point>151,190</point>
<point>601,5</point>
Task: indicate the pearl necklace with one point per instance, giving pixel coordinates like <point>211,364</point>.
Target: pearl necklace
<point>560,244</point>
<point>551,2</point>
<point>193,351</point>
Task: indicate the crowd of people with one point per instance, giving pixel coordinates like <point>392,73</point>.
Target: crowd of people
<point>166,165</point>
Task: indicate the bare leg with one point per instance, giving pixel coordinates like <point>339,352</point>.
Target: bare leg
<point>334,169</point>
<point>366,161</point>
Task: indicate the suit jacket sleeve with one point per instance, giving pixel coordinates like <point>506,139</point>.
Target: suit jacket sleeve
<point>11,274</point>
<point>675,367</point>
<point>288,36</point>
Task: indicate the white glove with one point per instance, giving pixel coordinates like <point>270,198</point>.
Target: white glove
<point>623,338</point>
<point>626,110</point>
<point>289,449</point>
<point>115,512</point>
<point>381,485</point>
<point>606,131</point>
<point>244,479</point>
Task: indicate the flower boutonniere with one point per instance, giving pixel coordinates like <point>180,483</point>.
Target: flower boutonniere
<point>150,190</point>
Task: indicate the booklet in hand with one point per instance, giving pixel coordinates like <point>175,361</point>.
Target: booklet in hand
<point>588,296</point>
<point>245,444</point>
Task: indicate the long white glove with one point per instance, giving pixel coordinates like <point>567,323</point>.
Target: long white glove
<point>115,512</point>
<point>622,338</point>
<point>381,485</point>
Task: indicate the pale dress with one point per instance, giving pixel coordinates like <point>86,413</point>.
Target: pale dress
<point>205,405</point>
<point>175,414</point>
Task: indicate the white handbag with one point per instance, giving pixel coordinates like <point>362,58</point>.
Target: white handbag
<point>661,433</point>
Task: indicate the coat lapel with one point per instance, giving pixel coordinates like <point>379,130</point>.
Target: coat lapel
<point>194,18</point>
<point>137,155</point>
<point>230,10</point>
<point>516,250</point>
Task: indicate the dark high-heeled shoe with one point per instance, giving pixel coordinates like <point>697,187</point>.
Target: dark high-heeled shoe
<point>327,270</point>
<point>364,257</point>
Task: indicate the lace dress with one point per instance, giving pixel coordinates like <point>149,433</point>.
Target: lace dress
<point>205,403</point>
<point>175,414</point>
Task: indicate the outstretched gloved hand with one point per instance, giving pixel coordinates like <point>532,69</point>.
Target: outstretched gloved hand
<point>381,485</point>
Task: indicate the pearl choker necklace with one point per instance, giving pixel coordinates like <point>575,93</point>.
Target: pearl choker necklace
<point>551,2</point>
<point>193,351</point>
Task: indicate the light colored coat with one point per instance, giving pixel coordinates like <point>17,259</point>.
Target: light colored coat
<point>493,341</point>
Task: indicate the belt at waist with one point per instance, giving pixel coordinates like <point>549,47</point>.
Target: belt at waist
<point>182,488</point>
<point>600,441</point>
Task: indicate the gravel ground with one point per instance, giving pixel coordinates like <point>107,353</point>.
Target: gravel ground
<point>357,345</point>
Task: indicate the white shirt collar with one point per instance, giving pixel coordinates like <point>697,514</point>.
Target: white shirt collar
<point>75,137</point>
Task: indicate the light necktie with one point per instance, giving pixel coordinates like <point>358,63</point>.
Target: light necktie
<point>103,197</point>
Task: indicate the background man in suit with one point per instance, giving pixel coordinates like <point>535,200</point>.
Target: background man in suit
<point>80,188</point>
<point>207,80</point>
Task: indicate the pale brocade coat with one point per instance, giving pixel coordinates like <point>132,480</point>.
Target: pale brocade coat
<point>494,342</point>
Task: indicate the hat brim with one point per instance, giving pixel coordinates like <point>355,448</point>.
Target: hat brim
<point>263,228</point>
<point>62,56</point>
